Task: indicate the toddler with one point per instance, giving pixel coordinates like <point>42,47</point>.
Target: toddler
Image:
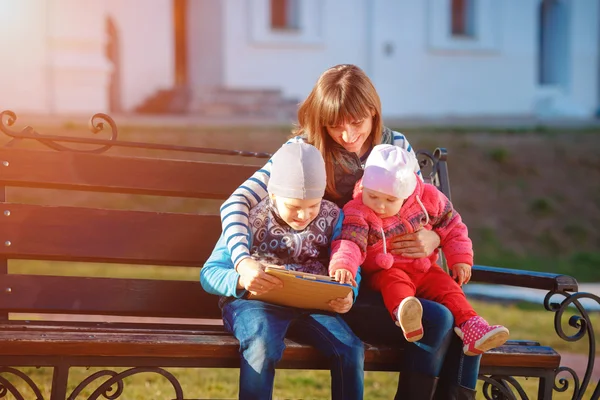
<point>391,200</point>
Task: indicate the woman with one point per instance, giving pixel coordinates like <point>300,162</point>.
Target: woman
<point>342,118</point>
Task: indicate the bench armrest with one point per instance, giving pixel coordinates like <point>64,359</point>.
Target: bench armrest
<point>528,279</point>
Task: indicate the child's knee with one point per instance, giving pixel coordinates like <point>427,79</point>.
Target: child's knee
<point>260,352</point>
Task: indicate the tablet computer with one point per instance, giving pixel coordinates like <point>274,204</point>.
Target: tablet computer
<point>303,290</point>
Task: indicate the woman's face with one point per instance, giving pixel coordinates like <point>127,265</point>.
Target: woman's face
<point>352,135</point>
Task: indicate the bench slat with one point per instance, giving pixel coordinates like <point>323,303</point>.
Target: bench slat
<point>104,173</point>
<point>106,296</point>
<point>528,279</point>
<point>223,348</point>
<point>116,236</point>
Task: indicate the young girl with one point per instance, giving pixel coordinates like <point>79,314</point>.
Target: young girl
<point>292,227</point>
<point>392,200</point>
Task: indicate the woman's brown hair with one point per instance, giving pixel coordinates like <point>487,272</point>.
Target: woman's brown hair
<point>342,93</point>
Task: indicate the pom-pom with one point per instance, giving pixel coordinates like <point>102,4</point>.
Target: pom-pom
<point>384,260</point>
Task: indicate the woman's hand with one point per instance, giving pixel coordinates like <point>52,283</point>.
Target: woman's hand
<point>342,305</point>
<point>254,279</point>
<point>343,276</point>
<point>461,272</point>
<point>418,244</point>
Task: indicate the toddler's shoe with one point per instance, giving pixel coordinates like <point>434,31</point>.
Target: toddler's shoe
<point>478,336</point>
<point>408,317</point>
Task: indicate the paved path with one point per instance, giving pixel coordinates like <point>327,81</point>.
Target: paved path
<point>512,293</point>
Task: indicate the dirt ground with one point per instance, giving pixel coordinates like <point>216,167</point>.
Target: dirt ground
<point>530,194</point>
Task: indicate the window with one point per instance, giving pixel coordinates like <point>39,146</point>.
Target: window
<point>285,22</point>
<point>465,25</point>
<point>284,15</point>
<point>462,16</point>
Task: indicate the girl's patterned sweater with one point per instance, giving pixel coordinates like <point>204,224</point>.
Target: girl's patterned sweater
<point>235,210</point>
<point>363,232</point>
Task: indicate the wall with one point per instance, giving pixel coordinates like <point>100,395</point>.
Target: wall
<point>23,77</point>
<point>290,62</point>
<point>427,76</point>
<point>405,49</point>
<point>585,48</point>
<point>206,26</point>
<point>147,48</point>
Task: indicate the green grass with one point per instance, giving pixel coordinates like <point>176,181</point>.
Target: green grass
<point>223,384</point>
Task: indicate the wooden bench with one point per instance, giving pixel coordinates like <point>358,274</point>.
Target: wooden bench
<point>34,230</point>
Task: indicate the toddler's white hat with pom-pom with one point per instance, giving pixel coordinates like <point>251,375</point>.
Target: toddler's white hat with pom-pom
<point>391,170</point>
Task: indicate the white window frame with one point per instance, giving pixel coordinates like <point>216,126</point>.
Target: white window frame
<point>309,32</point>
<point>487,24</point>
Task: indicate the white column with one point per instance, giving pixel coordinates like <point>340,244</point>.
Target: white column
<point>77,70</point>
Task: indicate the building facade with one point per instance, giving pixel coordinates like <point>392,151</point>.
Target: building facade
<point>427,58</point>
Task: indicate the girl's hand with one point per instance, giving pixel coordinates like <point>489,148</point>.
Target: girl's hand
<point>418,244</point>
<point>254,279</point>
<point>342,305</point>
<point>343,276</point>
<point>461,272</point>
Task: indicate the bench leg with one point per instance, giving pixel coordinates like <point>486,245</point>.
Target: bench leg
<point>546,386</point>
<point>60,378</point>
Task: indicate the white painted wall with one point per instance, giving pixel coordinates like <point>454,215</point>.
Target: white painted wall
<point>428,76</point>
<point>425,74</point>
<point>585,55</point>
<point>147,47</point>
<point>206,28</point>
<point>23,77</point>
<point>291,63</point>
<point>78,69</point>
<point>53,56</point>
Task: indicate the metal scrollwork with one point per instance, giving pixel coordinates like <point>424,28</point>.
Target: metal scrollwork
<point>427,163</point>
<point>583,326</point>
<point>97,124</point>
<point>498,387</point>
<point>107,391</point>
<point>93,377</point>
<point>6,386</point>
<point>562,384</point>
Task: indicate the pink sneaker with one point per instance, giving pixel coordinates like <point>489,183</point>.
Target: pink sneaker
<point>478,336</point>
<point>408,317</point>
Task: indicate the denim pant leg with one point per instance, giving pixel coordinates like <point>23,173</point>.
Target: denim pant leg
<point>427,356</point>
<point>459,368</point>
<point>371,322</point>
<point>260,328</point>
<point>345,351</point>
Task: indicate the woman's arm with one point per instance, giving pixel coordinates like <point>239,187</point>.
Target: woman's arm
<point>400,140</point>
<point>235,211</point>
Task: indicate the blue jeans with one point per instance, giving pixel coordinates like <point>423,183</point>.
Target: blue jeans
<point>438,354</point>
<point>261,327</point>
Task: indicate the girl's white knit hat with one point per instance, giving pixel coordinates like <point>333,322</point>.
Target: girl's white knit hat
<point>297,172</point>
<point>391,170</point>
